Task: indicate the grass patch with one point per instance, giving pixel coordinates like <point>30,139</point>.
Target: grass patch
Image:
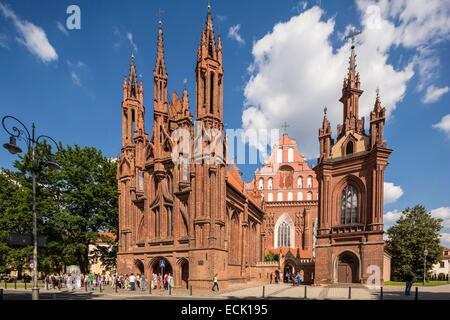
<point>417,284</point>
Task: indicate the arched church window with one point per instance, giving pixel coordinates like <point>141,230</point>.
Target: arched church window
<point>291,155</point>
<point>290,196</point>
<point>270,184</point>
<point>349,148</point>
<point>270,197</point>
<point>349,205</point>
<point>299,196</point>
<point>309,196</point>
<point>309,182</point>
<point>280,196</point>
<point>284,235</point>
<point>280,155</point>
<point>261,184</point>
<point>300,182</point>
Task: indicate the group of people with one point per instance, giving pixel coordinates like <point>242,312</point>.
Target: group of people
<point>160,282</point>
<point>129,282</point>
<point>294,278</point>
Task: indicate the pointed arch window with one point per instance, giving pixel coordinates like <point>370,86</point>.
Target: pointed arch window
<point>299,196</point>
<point>309,196</point>
<point>284,235</point>
<point>349,205</point>
<point>349,148</point>
<point>270,197</point>
<point>270,184</point>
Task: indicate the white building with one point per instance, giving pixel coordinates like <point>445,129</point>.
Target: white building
<point>442,269</point>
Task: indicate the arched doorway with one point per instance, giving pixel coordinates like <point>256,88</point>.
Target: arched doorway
<point>139,266</point>
<point>289,268</point>
<point>156,268</point>
<point>347,268</point>
<point>185,274</point>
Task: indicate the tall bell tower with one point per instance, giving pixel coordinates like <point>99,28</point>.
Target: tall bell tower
<point>350,172</point>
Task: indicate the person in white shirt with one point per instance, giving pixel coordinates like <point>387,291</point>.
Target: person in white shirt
<point>132,282</point>
<point>216,283</point>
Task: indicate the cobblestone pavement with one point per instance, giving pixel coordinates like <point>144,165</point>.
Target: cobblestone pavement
<point>271,291</point>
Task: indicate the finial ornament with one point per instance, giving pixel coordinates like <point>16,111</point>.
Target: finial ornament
<point>325,110</point>
<point>378,91</point>
<point>209,6</point>
<point>185,82</point>
<point>160,13</point>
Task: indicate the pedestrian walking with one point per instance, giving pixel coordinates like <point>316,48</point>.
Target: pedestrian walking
<point>409,278</point>
<point>215,283</point>
<point>171,282</point>
<point>132,280</point>
<point>271,278</point>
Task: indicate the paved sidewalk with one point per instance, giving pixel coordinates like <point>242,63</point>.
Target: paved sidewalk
<point>271,291</point>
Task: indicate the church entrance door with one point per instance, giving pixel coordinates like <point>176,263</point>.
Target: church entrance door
<point>185,274</point>
<point>347,268</point>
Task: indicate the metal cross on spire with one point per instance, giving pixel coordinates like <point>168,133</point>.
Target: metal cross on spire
<point>352,35</point>
<point>160,14</point>
<point>285,126</point>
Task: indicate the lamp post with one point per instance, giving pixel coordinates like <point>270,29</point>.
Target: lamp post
<point>425,253</point>
<point>32,143</point>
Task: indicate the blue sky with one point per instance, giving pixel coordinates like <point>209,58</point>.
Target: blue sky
<point>71,86</point>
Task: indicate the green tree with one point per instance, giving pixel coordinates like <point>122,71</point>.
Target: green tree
<point>88,201</point>
<point>415,231</point>
<point>74,204</point>
<point>271,256</point>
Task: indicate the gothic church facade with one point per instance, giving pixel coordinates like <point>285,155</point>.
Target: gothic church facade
<point>201,220</point>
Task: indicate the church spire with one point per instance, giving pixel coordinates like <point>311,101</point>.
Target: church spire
<point>209,73</point>
<point>133,88</point>
<point>377,119</point>
<point>160,74</point>
<point>350,94</point>
<point>326,142</point>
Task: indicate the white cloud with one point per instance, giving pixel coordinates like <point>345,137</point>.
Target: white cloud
<point>433,94</point>
<point>4,41</point>
<point>419,25</point>
<point>233,33</point>
<point>75,70</point>
<point>391,192</point>
<point>294,75</point>
<point>391,217</point>
<point>130,38</point>
<point>444,124</point>
<point>445,239</point>
<point>221,18</point>
<point>75,78</point>
<point>31,36</point>
<point>61,28</point>
<point>444,214</point>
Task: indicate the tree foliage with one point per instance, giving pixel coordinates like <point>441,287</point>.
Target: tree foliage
<point>74,204</point>
<point>415,231</point>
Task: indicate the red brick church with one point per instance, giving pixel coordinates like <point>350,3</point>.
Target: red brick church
<point>202,220</point>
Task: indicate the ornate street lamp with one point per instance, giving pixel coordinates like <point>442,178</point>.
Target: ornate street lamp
<point>32,143</point>
<point>425,253</point>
